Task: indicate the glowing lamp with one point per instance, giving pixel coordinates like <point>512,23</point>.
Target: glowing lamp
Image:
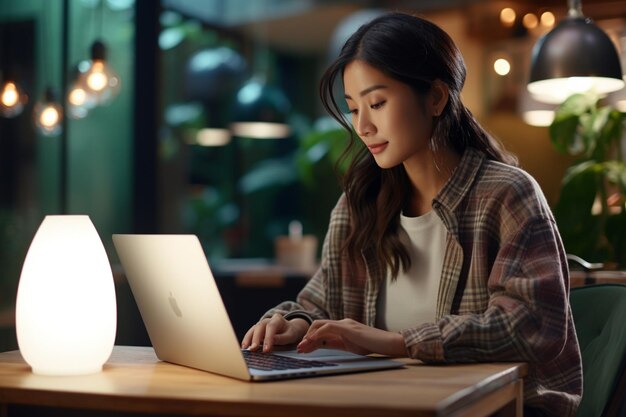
<point>261,111</point>
<point>12,99</point>
<point>574,57</point>
<point>100,81</point>
<point>48,114</point>
<point>65,309</point>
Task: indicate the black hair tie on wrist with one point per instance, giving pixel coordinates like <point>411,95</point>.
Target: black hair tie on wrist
<point>298,315</point>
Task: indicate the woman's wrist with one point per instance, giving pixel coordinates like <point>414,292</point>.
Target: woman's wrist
<point>397,345</point>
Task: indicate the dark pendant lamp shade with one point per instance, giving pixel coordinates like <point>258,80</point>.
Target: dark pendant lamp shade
<point>575,57</point>
<point>261,111</point>
<point>212,77</point>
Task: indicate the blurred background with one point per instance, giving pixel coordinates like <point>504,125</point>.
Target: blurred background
<point>129,111</point>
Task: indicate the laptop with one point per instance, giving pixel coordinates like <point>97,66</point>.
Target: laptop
<point>187,322</point>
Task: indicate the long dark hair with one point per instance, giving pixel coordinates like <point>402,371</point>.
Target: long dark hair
<point>416,52</point>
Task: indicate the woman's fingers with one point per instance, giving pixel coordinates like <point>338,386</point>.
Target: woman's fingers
<point>253,337</point>
<point>344,334</point>
<point>275,327</point>
<point>322,334</point>
<point>274,331</point>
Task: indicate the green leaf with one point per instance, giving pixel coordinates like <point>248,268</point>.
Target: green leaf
<point>564,130</point>
<point>614,126</point>
<point>268,173</point>
<point>573,210</point>
<point>614,172</point>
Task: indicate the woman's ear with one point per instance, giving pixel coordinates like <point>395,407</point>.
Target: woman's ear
<point>438,97</point>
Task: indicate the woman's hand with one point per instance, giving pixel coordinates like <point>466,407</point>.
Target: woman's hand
<point>352,336</point>
<point>274,331</point>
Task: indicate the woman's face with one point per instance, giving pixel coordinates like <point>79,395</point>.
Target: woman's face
<point>390,118</point>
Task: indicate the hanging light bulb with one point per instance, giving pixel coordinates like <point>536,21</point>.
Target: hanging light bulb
<point>100,81</point>
<point>48,114</point>
<point>79,101</point>
<point>12,99</point>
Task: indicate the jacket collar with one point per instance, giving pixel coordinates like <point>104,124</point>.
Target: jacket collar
<point>457,187</point>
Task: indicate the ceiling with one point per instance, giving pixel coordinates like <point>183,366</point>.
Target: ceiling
<point>307,26</point>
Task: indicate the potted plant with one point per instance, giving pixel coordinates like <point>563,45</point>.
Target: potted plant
<point>590,211</point>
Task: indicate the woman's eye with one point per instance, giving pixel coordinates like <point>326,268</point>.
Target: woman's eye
<point>353,111</point>
<point>377,105</point>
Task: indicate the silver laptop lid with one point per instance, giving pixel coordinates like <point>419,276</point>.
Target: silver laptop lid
<point>180,303</point>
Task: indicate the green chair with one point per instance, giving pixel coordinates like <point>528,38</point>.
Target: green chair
<point>600,318</point>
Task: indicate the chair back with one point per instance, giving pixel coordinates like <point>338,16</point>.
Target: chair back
<point>600,318</point>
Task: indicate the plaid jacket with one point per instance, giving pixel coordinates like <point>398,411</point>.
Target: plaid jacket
<point>504,288</point>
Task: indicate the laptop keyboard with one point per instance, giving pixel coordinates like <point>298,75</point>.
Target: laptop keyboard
<point>269,362</point>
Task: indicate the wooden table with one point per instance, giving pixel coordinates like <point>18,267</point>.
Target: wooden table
<point>134,381</point>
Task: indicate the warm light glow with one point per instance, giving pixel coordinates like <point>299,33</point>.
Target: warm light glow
<point>97,79</point>
<point>213,137</point>
<point>507,16</point>
<point>65,308</point>
<point>100,83</point>
<point>501,66</point>
<point>530,21</point>
<point>539,118</point>
<point>77,96</point>
<point>49,117</point>
<point>547,19</point>
<point>556,90</point>
<point>621,105</point>
<point>261,130</point>
<point>10,95</point>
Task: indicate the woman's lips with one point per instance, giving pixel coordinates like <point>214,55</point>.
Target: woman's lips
<point>377,147</point>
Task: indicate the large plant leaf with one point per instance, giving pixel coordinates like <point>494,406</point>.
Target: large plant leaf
<point>320,146</point>
<point>564,130</point>
<point>578,227</point>
<point>269,173</point>
<point>614,127</point>
<point>597,143</point>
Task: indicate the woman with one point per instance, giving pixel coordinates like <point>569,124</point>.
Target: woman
<point>440,248</point>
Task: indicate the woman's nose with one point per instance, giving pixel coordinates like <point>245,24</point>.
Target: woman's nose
<point>364,126</point>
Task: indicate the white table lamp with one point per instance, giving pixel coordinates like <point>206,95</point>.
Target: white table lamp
<point>65,310</point>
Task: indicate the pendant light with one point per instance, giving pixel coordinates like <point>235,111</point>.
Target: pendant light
<point>96,83</point>
<point>261,109</point>
<point>212,77</point>
<point>12,99</point>
<point>99,80</point>
<point>575,57</point>
<point>48,114</point>
<point>79,102</point>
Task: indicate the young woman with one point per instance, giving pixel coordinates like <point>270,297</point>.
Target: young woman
<point>440,248</point>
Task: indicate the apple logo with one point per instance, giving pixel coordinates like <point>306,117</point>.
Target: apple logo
<point>174,305</point>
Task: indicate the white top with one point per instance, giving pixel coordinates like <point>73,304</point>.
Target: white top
<point>411,299</point>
